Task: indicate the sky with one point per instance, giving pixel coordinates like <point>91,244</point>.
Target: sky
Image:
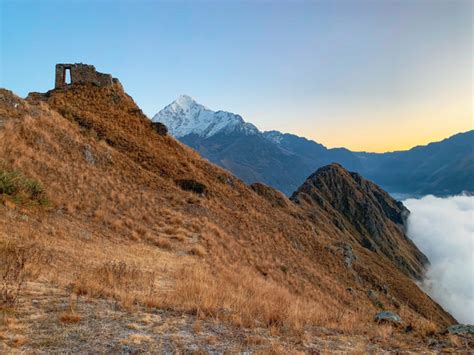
<point>366,75</point>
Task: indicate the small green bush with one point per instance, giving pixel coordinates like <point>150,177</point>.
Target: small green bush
<point>8,182</point>
<point>21,189</point>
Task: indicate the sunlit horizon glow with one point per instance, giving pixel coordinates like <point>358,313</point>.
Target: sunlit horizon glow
<point>365,75</point>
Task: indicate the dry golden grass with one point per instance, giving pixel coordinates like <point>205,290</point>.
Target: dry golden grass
<point>19,340</point>
<point>197,250</point>
<point>19,262</point>
<point>115,279</point>
<point>70,317</point>
<point>255,340</point>
<point>245,299</point>
<point>426,327</point>
<point>133,326</point>
<point>136,339</point>
<point>121,228</point>
<point>384,333</point>
<point>162,243</point>
<point>454,340</point>
<point>197,326</point>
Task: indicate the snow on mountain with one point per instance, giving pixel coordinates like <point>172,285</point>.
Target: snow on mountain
<point>185,116</point>
<point>273,136</point>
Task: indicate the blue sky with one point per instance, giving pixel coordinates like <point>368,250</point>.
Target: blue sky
<point>368,75</point>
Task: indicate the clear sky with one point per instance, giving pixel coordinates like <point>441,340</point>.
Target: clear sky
<point>367,75</point>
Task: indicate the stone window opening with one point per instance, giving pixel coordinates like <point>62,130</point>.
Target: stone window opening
<point>67,76</point>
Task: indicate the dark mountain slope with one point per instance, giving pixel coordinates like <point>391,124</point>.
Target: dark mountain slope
<point>313,154</point>
<point>284,160</point>
<point>252,158</point>
<point>445,167</point>
<point>378,219</point>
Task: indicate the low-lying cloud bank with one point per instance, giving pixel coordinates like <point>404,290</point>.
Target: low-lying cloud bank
<point>443,229</point>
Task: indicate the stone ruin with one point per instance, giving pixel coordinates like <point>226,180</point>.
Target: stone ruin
<point>80,74</point>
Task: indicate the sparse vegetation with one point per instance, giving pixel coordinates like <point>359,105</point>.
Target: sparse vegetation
<point>15,185</point>
<point>19,262</point>
<point>115,279</point>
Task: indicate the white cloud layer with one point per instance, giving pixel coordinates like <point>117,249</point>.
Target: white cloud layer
<point>443,229</point>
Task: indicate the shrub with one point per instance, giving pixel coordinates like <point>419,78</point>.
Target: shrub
<point>8,182</point>
<point>18,263</point>
<point>15,185</point>
<point>192,185</point>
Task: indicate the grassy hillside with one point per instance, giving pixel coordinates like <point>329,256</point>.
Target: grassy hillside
<point>117,236</point>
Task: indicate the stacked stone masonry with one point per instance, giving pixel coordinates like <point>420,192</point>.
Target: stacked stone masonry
<point>80,74</point>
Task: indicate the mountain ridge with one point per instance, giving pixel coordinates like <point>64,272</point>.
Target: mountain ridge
<point>293,158</point>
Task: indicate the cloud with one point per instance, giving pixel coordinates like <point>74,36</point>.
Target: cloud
<point>443,229</point>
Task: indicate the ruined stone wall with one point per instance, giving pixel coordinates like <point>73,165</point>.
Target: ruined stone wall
<point>81,74</point>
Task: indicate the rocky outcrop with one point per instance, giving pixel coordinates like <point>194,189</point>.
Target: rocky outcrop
<point>388,317</point>
<point>461,329</point>
<point>356,203</point>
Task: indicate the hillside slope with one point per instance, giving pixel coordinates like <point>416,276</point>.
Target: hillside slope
<point>136,217</point>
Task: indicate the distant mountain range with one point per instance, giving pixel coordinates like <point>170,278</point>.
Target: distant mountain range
<point>285,160</point>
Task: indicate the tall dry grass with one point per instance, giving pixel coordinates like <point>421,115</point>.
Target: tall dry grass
<point>127,284</point>
<point>240,297</point>
<point>19,262</point>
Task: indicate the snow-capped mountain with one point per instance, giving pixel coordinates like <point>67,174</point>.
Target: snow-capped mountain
<point>284,160</point>
<point>185,116</point>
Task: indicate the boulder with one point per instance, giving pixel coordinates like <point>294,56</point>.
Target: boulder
<point>88,156</point>
<point>461,329</point>
<point>348,253</point>
<point>388,317</point>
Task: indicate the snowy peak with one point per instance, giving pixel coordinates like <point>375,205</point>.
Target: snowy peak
<point>185,101</point>
<point>273,136</point>
<point>185,116</point>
